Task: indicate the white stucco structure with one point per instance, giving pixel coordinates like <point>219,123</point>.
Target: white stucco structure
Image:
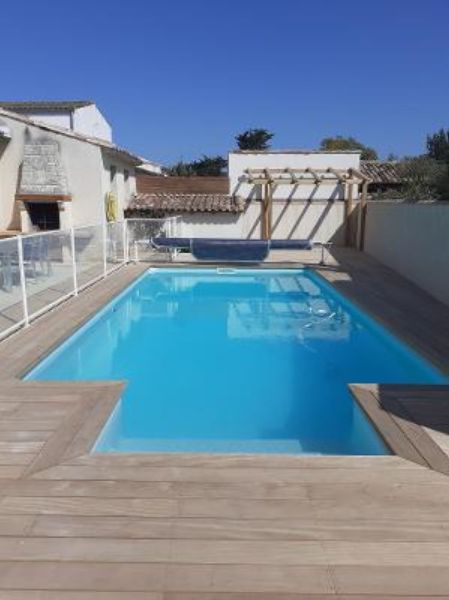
<point>309,211</point>
<point>88,165</point>
<point>81,116</point>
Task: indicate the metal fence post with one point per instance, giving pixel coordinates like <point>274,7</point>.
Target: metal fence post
<point>23,280</point>
<point>73,251</point>
<point>125,242</point>
<point>105,255</point>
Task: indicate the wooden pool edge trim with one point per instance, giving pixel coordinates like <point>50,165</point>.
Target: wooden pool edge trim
<point>405,438</point>
<point>79,431</point>
<point>76,436</point>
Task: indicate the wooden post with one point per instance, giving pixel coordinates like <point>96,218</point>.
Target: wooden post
<point>348,211</point>
<point>363,209</point>
<point>263,211</point>
<point>267,206</point>
<point>269,209</point>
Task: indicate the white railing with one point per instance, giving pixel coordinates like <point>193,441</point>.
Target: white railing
<point>40,270</point>
<point>141,230</point>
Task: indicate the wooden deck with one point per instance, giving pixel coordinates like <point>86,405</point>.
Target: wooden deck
<point>75,526</point>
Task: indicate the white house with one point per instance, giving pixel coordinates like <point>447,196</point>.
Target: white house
<point>80,116</point>
<point>55,177</point>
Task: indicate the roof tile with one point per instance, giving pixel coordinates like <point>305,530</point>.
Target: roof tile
<point>213,203</point>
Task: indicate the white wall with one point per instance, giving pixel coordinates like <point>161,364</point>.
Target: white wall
<point>57,119</point>
<point>88,120</point>
<point>123,191</point>
<point>321,221</point>
<point>210,225</point>
<point>11,154</point>
<point>412,239</point>
<point>239,161</point>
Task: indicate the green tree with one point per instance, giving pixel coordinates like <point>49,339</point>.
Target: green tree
<point>438,146</point>
<point>212,166</point>
<point>254,139</point>
<point>392,157</point>
<point>348,143</point>
<point>424,178</point>
<point>180,169</point>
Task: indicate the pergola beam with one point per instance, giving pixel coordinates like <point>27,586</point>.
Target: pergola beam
<point>254,171</point>
<point>359,175</point>
<point>296,181</point>
<point>340,175</point>
<point>314,175</point>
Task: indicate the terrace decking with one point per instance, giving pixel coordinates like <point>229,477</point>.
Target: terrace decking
<point>75,526</point>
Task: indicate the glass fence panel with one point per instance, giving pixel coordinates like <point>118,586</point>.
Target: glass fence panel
<point>48,268</point>
<point>140,233</point>
<point>115,246</point>
<point>11,305</point>
<point>89,258</point>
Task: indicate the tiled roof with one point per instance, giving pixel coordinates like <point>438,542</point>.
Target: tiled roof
<point>44,104</point>
<point>108,146</point>
<point>381,172</point>
<point>179,203</point>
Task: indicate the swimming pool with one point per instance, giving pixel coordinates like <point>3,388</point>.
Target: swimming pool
<point>248,360</point>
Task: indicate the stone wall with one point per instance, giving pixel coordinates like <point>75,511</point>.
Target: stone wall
<point>42,171</point>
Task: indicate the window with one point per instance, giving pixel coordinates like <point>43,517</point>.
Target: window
<point>113,173</point>
<point>126,182</point>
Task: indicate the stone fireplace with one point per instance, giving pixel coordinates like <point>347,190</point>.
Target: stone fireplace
<point>43,197</point>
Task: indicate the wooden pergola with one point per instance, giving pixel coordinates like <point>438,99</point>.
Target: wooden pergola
<point>349,178</point>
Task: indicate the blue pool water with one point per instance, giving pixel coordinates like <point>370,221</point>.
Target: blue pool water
<point>236,361</point>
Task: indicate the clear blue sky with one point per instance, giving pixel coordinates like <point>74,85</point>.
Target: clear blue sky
<point>179,78</point>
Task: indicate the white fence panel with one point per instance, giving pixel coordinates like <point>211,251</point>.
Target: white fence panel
<point>89,253</point>
<point>11,299</point>
<point>47,268</point>
<point>141,231</point>
<point>115,245</point>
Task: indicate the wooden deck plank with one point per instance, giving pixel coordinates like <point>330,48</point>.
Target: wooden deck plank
<point>226,552</point>
<point>14,458</point>
<point>225,508</point>
<point>428,491</point>
<point>23,435</point>
<point>11,471</point>
<point>144,507</point>
<point>163,577</point>
<point>207,475</point>
<point>89,595</point>
<point>393,580</point>
<point>309,528</point>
